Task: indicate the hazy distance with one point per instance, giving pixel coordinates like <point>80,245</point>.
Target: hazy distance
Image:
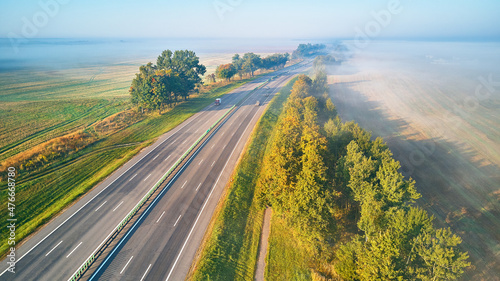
<point>434,20</point>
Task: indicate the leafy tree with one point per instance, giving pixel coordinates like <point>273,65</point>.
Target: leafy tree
<point>395,191</point>
<point>275,61</point>
<point>308,203</point>
<point>321,62</point>
<point>251,62</point>
<point>438,257</point>
<point>211,78</point>
<point>152,89</point>
<point>187,65</point>
<point>282,164</point>
<point>408,248</point>
<point>226,71</point>
<point>308,50</point>
<point>320,83</point>
<point>238,65</point>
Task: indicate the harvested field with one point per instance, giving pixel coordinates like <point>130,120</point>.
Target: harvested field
<point>437,105</point>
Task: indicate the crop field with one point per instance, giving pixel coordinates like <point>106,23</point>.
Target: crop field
<point>423,99</point>
<point>37,106</point>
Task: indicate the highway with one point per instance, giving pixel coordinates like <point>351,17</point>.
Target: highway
<point>164,243</point>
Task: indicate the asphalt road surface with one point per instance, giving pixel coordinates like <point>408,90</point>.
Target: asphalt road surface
<point>164,243</point>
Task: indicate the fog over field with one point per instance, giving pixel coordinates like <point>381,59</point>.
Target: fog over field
<point>437,105</point>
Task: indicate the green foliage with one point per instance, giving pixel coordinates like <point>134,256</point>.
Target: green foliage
<point>275,61</point>
<point>321,62</point>
<point>409,248</point>
<point>308,50</point>
<point>238,65</point>
<point>175,75</point>
<point>154,88</point>
<point>251,62</point>
<point>226,71</point>
<point>294,174</point>
<point>186,64</point>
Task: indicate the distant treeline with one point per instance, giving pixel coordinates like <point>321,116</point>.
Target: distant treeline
<point>343,197</point>
<point>249,63</point>
<point>176,75</point>
<point>320,63</point>
<point>308,50</point>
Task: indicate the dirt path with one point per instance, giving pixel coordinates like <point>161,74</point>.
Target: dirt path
<point>261,261</point>
<point>449,148</point>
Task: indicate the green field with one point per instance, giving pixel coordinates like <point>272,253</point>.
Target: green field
<point>229,250</point>
<point>37,106</point>
<point>48,108</point>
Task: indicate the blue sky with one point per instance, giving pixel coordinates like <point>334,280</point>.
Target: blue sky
<point>431,19</point>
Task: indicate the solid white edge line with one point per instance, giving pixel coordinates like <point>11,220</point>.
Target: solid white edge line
<point>84,205</point>
<point>74,249</point>
<point>117,206</point>
<point>100,206</point>
<point>54,248</point>
<point>206,201</point>
<point>160,217</point>
<point>126,264</point>
<point>177,220</point>
<point>145,272</point>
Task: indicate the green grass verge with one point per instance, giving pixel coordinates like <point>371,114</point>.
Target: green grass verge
<point>285,260</point>
<point>230,248</point>
<point>42,194</point>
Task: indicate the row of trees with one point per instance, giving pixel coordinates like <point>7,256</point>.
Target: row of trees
<point>175,75</point>
<point>321,174</point>
<point>321,63</point>
<point>308,50</point>
<point>249,63</point>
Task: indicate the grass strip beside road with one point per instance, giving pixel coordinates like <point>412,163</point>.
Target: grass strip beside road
<point>230,246</point>
<point>41,197</point>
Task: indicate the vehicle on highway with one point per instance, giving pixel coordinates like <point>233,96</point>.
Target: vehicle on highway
<point>257,104</point>
<point>218,101</point>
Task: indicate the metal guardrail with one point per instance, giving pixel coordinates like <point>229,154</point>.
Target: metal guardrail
<point>88,262</point>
